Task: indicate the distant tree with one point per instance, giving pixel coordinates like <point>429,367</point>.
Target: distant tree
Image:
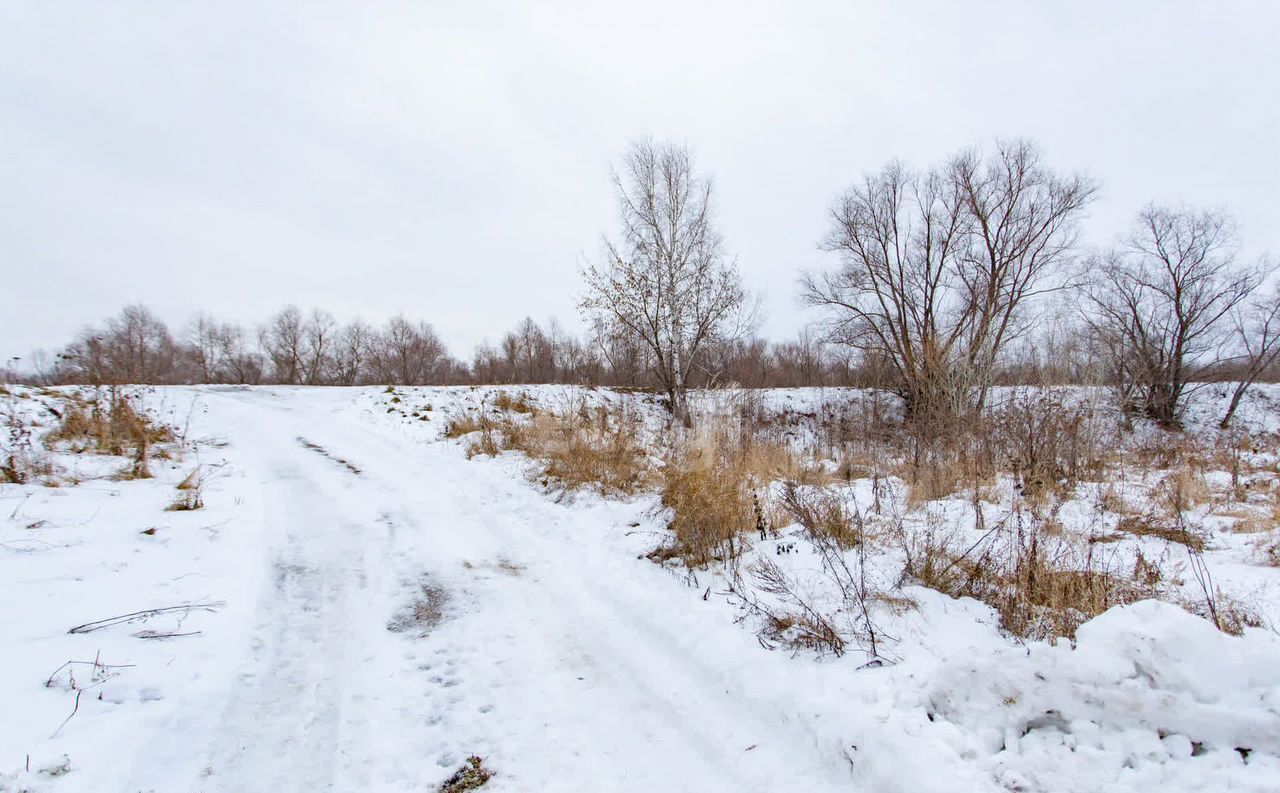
<point>800,361</point>
<point>353,351</point>
<point>1160,304</point>
<point>204,348</point>
<point>409,354</point>
<point>133,347</point>
<point>242,363</point>
<point>318,338</point>
<point>623,355</point>
<point>938,268</point>
<point>283,341</point>
<point>666,279</point>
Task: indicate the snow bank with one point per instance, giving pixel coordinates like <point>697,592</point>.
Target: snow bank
<point>1149,694</point>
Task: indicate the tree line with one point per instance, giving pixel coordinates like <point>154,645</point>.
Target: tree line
<point>296,347</point>
<point>947,280</point>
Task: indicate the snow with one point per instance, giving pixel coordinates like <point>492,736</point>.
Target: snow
<point>392,608</point>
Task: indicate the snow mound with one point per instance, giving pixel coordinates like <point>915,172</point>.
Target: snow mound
<point>1149,694</point>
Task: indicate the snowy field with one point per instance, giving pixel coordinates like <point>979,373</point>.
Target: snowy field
<point>358,603</point>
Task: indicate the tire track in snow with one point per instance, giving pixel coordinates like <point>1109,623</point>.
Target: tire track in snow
<point>703,713</point>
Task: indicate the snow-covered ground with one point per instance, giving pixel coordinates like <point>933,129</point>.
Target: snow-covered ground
<point>378,608</point>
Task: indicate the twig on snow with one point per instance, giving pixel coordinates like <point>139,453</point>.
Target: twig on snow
<point>74,710</point>
<point>210,606</point>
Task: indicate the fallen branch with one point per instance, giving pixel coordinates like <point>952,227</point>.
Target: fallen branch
<point>211,606</point>
<point>95,664</point>
<point>164,635</point>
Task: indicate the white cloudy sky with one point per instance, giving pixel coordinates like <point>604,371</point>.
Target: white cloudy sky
<point>450,160</point>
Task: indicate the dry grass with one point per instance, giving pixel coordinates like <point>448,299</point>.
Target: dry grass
<point>464,424</point>
<point>598,448</point>
<point>109,425</point>
<point>519,403</point>
<point>1182,489</point>
<point>486,443</point>
<point>711,504</point>
<point>714,480</point>
<point>1041,585</point>
<point>470,776</point>
<point>1229,614</point>
<point>190,492</point>
<point>112,425</point>
<point>823,515</point>
<point>1162,528</point>
<point>601,449</point>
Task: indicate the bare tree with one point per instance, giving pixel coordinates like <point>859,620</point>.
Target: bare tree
<point>133,347</point>
<point>283,340</point>
<point>409,354</point>
<point>204,347</point>
<point>243,364</point>
<point>799,362</point>
<point>352,353</point>
<point>623,352</point>
<point>1257,332</point>
<point>938,267</point>
<point>1158,304</point>
<point>666,280</point>
<point>318,340</point>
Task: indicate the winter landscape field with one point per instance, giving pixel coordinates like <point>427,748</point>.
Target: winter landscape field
<point>672,397</point>
<point>268,588</point>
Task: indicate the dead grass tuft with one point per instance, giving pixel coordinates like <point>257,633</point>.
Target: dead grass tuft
<point>111,425</point>
<point>710,501</point>
<point>1041,585</point>
<point>471,776</point>
<point>464,424</point>
<point>598,448</point>
<point>519,403</point>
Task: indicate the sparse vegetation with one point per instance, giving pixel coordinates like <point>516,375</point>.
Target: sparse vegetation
<point>471,776</point>
<point>190,491</point>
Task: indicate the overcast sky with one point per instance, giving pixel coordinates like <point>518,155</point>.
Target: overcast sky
<point>450,160</point>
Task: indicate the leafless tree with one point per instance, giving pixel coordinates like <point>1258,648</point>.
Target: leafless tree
<point>666,279</point>
<point>133,347</point>
<point>352,353</point>
<point>938,267</point>
<point>623,353</point>
<point>1158,305</point>
<point>409,354</point>
<point>1257,333</point>
<point>319,334</point>
<point>800,361</point>
<point>205,348</point>
<point>283,341</point>
<point>243,364</point>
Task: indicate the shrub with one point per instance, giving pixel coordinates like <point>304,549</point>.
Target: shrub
<point>1048,444</point>
<point>822,514</point>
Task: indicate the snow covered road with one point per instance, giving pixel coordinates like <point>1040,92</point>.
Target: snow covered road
<point>393,608</point>
<point>565,664</point>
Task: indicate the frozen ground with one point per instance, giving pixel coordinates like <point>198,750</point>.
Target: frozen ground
<point>382,608</point>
